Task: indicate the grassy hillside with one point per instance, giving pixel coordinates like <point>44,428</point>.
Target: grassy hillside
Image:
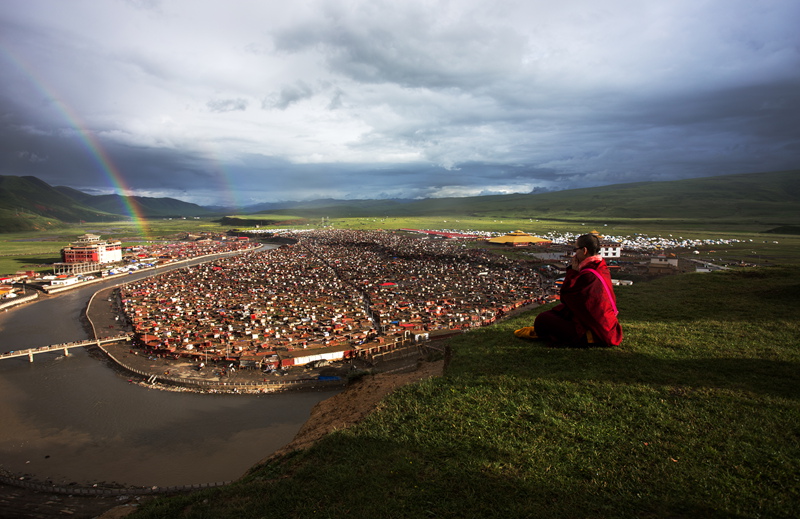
<point>27,203</point>
<point>30,204</point>
<point>148,207</point>
<point>697,414</point>
<point>74,194</point>
<point>22,220</point>
<point>767,196</point>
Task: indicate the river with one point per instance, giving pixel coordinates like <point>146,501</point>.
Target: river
<point>73,419</point>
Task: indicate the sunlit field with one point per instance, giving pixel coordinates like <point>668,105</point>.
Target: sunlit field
<point>36,250</point>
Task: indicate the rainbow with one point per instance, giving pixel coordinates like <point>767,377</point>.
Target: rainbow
<point>89,140</point>
<point>224,178</point>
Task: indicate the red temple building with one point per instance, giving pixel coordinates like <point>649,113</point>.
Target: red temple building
<point>89,248</point>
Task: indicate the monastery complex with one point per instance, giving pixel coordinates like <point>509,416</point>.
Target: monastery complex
<point>334,294</point>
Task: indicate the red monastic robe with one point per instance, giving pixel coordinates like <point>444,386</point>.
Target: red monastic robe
<point>587,303</point>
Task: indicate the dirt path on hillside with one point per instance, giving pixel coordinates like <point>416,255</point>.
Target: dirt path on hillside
<point>350,406</point>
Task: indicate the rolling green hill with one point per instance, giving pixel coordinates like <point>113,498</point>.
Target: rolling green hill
<point>768,198</point>
<point>78,196</point>
<point>146,206</point>
<point>27,203</point>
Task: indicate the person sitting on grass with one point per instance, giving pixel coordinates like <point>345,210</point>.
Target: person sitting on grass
<point>587,314</point>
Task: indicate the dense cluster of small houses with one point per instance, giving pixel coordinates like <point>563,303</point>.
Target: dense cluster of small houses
<point>192,247</point>
<point>333,294</point>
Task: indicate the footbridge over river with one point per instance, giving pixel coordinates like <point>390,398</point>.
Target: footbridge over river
<point>62,347</point>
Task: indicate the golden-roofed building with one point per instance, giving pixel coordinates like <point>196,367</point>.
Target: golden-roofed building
<point>517,239</point>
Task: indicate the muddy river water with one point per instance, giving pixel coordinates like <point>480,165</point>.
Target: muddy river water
<point>74,419</point>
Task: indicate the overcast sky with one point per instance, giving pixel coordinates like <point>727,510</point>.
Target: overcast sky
<point>246,101</point>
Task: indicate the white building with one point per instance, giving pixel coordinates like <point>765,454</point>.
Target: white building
<point>610,249</point>
<point>64,281</point>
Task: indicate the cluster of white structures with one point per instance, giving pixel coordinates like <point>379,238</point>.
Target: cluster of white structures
<point>637,242</point>
<point>272,231</point>
<point>644,242</point>
<point>483,234</point>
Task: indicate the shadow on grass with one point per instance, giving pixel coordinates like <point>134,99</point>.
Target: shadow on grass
<point>745,296</point>
<point>768,377</point>
<point>394,478</point>
<point>36,261</point>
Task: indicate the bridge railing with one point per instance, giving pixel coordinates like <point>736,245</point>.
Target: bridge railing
<point>65,346</point>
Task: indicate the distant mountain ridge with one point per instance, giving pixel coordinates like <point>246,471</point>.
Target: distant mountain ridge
<point>146,206</point>
<point>771,198</point>
<point>28,203</point>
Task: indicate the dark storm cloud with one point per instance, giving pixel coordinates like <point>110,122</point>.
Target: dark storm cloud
<point>762,111</point>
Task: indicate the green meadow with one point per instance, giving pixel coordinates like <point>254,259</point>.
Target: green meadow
<point>35,250</point>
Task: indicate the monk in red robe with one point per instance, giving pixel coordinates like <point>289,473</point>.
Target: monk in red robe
<point>587,315</point>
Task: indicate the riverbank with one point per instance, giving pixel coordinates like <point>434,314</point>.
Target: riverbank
<point>22,503</point>
<point>18,301</point>
<point>342,410</point>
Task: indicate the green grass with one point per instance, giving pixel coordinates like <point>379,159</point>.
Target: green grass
<point>697,414</point>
